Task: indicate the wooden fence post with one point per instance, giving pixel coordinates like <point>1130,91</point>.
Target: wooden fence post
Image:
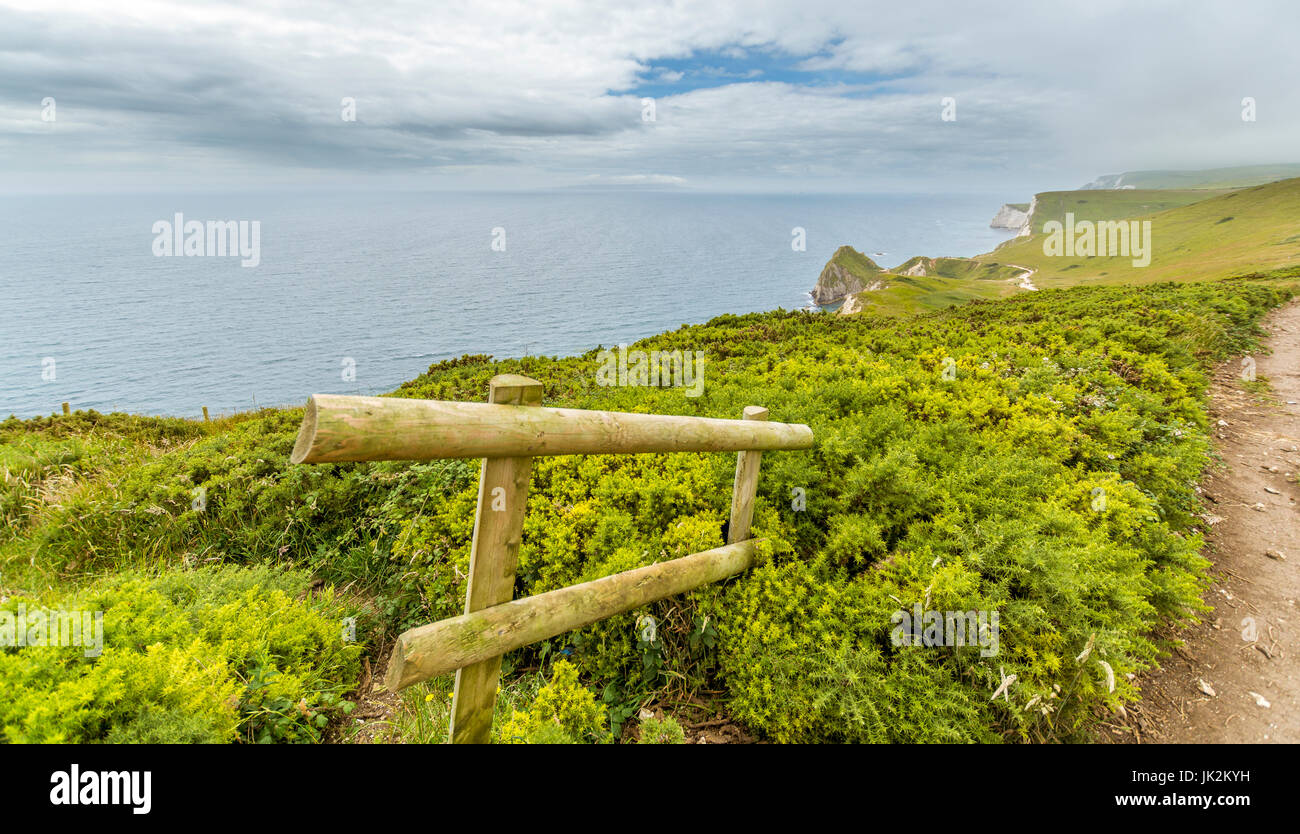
<point>498,528</point>
<point>205,414</point>
<point>67,409</point>
<point>746,486</point>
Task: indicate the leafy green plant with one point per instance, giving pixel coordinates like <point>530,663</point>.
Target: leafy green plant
<point>210,655</point>
<point>563,712</point>
<point>664,730</point>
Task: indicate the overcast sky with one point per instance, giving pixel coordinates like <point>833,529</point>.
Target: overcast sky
<point>800,95</point>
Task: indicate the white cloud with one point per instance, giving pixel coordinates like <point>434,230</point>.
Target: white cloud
<point>513,92</point>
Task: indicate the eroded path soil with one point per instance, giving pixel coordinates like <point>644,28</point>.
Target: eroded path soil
<point>1246,653</point>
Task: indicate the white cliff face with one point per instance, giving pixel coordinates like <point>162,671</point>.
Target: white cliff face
<point>853,304</point>
<point>922,267</point>
<point>1009,217</point>
<point>1028,229</point>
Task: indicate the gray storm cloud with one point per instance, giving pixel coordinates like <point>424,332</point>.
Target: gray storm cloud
<point>507,94</point>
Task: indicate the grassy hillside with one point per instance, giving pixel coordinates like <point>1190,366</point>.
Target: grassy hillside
<point>1197,235</point>
<point>1112,205</point>
<point>1239,231</point>
<point>855,262</point>
<point>923,283</point>
<point>1241,176</point>
<point>959,455</point>
<point>959,268</point>
<point>905,294</point>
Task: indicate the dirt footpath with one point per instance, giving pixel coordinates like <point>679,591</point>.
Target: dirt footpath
<point>1237,677</point>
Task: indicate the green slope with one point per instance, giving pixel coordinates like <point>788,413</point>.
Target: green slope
<point>856,262</point>
<point>1240,176</point>
<point>962,268</point>
<point>1112,204</point>
<point>1245,230</point>
<point>1196,235</point>
<point>906,294</point>
<point>936,283</point>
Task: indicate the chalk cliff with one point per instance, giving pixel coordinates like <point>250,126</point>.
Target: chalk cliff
<point>847,272</point>
<point>1010,216</point>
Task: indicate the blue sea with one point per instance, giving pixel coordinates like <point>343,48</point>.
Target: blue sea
<point>357,292</point>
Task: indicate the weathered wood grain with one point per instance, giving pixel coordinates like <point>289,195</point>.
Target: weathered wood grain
<point>745,488</point>
<point>494,553</point>
<point>440,647</point>
<point>339,428</point>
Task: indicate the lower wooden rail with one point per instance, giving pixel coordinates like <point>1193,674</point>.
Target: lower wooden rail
<point>448,645</point>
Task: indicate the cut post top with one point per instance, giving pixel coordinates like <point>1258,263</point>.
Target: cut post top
<point>513,389</point>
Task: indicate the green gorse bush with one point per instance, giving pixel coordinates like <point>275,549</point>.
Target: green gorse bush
<point>210,655</point>
<point>957,462</point>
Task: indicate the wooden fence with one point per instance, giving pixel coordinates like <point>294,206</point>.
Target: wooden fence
<point>67,411</point>
<point>508,432</point>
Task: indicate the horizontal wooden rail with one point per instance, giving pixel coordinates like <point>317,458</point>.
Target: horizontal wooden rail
<point>447,645</point>
<point>338,428</point>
